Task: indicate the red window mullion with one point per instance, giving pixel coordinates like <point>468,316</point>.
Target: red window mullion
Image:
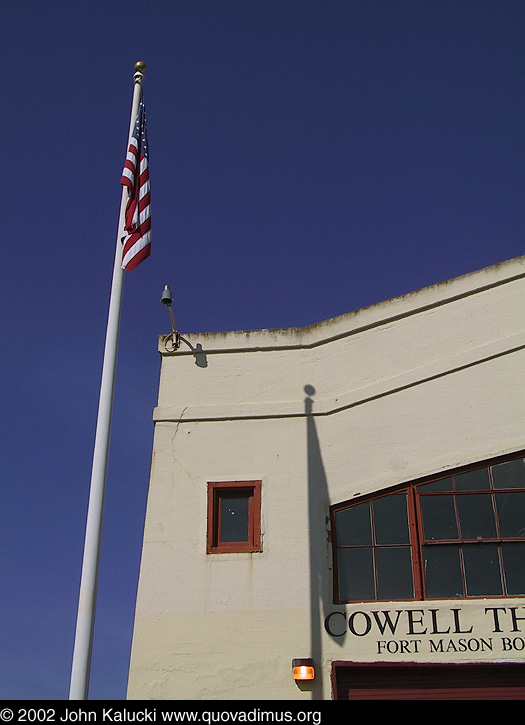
<point>416,528</point>
<point>373,533</point>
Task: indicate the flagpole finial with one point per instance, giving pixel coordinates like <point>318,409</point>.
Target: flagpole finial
<point>138,76</point>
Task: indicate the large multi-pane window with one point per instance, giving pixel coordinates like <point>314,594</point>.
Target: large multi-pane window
<point>458,535</point>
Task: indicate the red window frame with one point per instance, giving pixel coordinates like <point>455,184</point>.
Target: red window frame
<point>217,492</point>
<point>415,492</point>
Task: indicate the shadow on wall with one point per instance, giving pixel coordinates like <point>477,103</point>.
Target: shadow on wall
<point>321,597</point>
<point>201,359</point>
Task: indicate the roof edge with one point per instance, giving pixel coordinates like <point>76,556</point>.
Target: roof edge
<point>351,322</point>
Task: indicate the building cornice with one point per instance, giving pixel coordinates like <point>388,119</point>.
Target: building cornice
<point>351,323</point>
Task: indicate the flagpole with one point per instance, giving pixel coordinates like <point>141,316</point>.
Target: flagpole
<point>83,646</point>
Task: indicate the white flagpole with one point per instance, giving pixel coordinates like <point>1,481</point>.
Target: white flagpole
<point>80,669</point>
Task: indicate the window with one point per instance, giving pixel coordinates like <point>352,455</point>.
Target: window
<point>234,517</point>
<point>459,535</point>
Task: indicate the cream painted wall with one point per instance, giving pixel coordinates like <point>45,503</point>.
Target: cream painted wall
<point>407,388</point>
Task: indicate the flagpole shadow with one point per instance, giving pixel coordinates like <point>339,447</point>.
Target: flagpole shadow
<point>317,512</point>
<point>321,597</point>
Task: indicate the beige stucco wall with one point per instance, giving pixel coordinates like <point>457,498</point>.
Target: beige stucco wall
<point>388,394</point>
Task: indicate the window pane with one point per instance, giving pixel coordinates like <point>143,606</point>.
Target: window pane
<point>513,558</point>
<point>444,484</point>
<point>473,480</point>
<point>476,516</point>
<point>355,569</point>
<point>234,518</point>
<point>391,520</point>
<point>482,570</point>
<point>394,573</point>
<point>511,514</point>
<point>442,569</point>
<point>353,525</point>
<point>509,475</point>
<point>439,517</point>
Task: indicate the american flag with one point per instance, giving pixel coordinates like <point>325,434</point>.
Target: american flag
<point>137,239</point>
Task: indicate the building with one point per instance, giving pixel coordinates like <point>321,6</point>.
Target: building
<point>352,493</point>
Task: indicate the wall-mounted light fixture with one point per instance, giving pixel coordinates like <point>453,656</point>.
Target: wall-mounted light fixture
<point>167,299</point>
<point>303,669</point>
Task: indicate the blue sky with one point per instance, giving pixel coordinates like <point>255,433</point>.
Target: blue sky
<point>307,159</point>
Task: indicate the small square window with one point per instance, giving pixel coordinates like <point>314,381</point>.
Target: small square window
<point>234,517</point>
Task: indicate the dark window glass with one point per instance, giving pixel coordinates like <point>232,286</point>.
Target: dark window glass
<point>391,520</point>
<point>476,516</point>
<point>356,574</point>
<point>510,474</point>
<point>442,484</point>
<point>482,570</point>
<point>234,518</point>
<point>511,514</point>
<point>394,573</point>
<point>442,569</point>
<point>439,517</point>
<point>513,564</point>
<point>461,535</point>
<point>473,480</point>
<point>353,526</point>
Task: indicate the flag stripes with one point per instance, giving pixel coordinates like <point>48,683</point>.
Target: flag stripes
<point>135,176</point>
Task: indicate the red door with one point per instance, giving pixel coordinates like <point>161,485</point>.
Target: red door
<point>428,682</point>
